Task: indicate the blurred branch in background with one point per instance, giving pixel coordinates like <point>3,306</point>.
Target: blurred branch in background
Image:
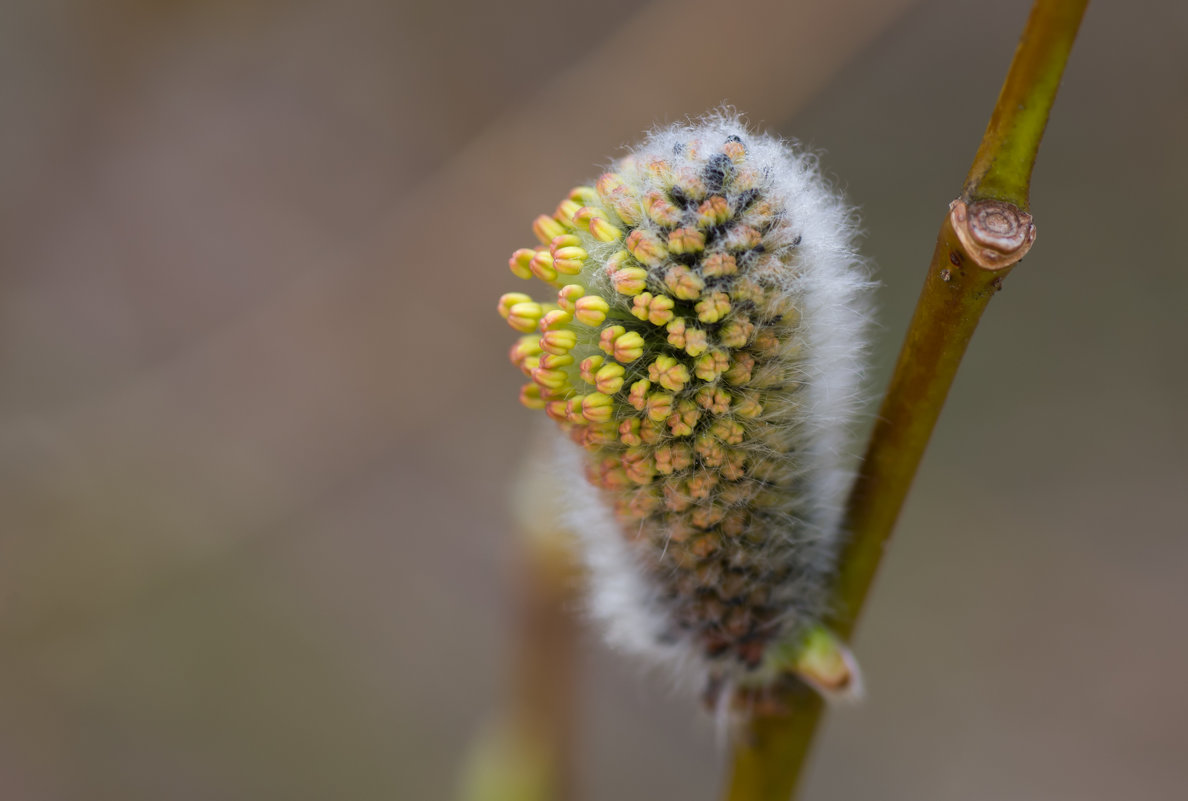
<point>986,232</point>
<point>527,753</point>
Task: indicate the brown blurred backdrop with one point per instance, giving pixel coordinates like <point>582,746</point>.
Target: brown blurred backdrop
<point>257,426</point>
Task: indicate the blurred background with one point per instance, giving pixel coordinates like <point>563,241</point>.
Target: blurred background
<point>257,427</point>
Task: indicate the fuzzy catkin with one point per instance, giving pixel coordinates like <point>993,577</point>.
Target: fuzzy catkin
<point>704,351</point>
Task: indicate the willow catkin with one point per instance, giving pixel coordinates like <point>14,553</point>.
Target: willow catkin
<point>702,342</point>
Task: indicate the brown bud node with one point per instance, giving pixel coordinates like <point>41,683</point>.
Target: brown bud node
<point>994,233</point>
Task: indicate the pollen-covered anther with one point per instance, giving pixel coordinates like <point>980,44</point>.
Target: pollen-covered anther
<point>682,421</point>
<point>713,399</point>
<point>766,343</point>
<point>714,211</point>
<point>719,264</point>
<point>683,283</point>
<point>617,261</point>
<point>746,289</point>
<point>568,256</point>
<point>555,409</point>
<point>524,348</point>
<point>637,396</point>
<point>708,366</point>
<point>530,396</point>
<point>551,379</point>
<point>735,150</point>
<point>734,523</point>
<point>630,281</point>
<point>674,458</point>
<point>625,346</point>
<point>701,484</point>
<point>597,407</point>
<point>642,503</point>
<point>729,431</point>
<point>604,231</point>
<point>584,214</point>
<point>608,184</point>
<point>746,179</point>
<point>676,498</point>
<point>555,319</point>
<point>584,195</point>
<point>711,450</point>
<point>568,295</point>
<point>646,247</point>
<point>559,342</point>
<point>735,333</point>
<point>668,373</point>
<point>688,337</point>
<point>590,310</point>
<point>676,332</point>
<point>565,211</point>
<point>735,465</point>
<point>760,214</point>
<point>652,432</point>
<point>766,470</point>
<point>616,196</point>
<point>660,169</point>
<point>608,379</point>
<point>659,406</point>
<point>706,517</point>
<point>787,312</point>
<point>520,261</point>
<point>547,229</point>
<point>542,266</point>
<point>740,369</point>
<point>742,237</point>
<point>639,465</point>
<point>713,307</point>
<point>690,184</point>
<point>661,210</point>
<point>588,366</point>
<point>629,431</point>
<point>573,409</point>
<point>686,240</point>
<point>611,475</point>
<point>511,299</point>
<point>525,316</point>
<point>569,261</point>
<point>656,309</point>
<point>607,337</point>
<point>529,364</point>
<point>747,405</point>
<point>600,435</point>
<point>555,361</point>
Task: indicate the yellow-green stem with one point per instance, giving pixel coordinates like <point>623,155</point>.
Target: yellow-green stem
<point>1002,167</point>
<point>984,234</point>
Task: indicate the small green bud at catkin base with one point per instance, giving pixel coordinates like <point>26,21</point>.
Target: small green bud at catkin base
<point>702,343</point>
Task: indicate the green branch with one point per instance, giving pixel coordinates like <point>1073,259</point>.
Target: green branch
<point>985,233</point>
<point>1002,167</point>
